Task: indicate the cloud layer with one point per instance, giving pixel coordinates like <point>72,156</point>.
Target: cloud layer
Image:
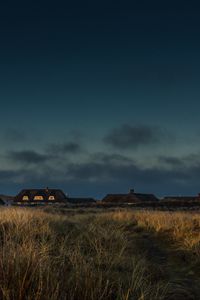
<point>28,157</point>
<point>102,173</point>
<point>73,166</point>
<point>65,148</point>
<point>128,136</point>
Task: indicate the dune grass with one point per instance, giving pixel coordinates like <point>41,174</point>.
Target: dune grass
<point>114,255</point>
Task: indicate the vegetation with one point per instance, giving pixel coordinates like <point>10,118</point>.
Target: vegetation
<point>90,255</point>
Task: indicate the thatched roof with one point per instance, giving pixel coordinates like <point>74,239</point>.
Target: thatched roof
<point>129,198</point>
<point>30,195</point>
<point>181,198</point>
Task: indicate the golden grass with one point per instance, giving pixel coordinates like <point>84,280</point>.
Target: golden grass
<point>182,227</point>
<point>93,256</point>
<point>46,256</point>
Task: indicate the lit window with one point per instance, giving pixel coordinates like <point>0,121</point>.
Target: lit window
<point>38,198</point>
<point>25,198</point>
<point>51,198</point>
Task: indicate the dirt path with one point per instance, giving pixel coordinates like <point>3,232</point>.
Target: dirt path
<point>166,263</point>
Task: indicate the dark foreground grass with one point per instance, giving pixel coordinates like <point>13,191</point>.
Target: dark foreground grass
<point>92,256</point>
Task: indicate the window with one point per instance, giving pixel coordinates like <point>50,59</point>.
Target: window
<point>38,197</point>
<point>51,198</point>
<point>25,198</point>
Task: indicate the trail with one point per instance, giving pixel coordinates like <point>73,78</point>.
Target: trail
<point>166,262</point>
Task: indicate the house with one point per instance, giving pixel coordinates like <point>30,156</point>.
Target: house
<point>32,196</point>
<point>81,200</point>
<point>131,197</point>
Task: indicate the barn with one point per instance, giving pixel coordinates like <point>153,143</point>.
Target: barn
<point>32,196</point>
<point>130,197</point>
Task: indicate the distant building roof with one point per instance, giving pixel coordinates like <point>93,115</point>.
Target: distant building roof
<point>131,197</point>
<point>181,198</point>
<point>40,195</point>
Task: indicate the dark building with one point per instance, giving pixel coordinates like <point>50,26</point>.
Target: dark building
<point>81,200</point>
<point>40,196</point>
<point>2,202</point>
<point>131,197</point>
<point>6,200</point>
<point>182,198</point>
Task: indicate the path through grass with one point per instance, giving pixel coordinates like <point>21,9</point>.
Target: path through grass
<point>108,256</point>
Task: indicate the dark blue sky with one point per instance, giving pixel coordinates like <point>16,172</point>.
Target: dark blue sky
<point>100,97</point>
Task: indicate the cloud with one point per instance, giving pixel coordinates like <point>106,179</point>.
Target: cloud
<point>103,172</point>
<point>128,136</point>
<point>28,157</point>
<point>185,162</point>
<point>53,153</point>
<point>98,171</point>
<point>171,161</point>
<point>14,135</point>
<point>65,148</point>
<point>102,167</point>
<point>8,175</point>
<point>111,158</point>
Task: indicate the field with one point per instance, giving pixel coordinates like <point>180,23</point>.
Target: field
<point>90,254</point>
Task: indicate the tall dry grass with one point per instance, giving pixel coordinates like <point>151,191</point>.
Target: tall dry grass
<point>51,256</point>
<point>182,227</point>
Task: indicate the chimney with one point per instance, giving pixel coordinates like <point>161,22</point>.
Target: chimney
<point>131,191</point>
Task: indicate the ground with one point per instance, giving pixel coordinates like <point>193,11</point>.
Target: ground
<point>90,254</point>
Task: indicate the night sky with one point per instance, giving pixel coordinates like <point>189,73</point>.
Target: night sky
<point>100,96</point>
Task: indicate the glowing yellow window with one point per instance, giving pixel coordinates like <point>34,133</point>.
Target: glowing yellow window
<point>38,198</point>
<point>25,198</point>
<point>51,198</point>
